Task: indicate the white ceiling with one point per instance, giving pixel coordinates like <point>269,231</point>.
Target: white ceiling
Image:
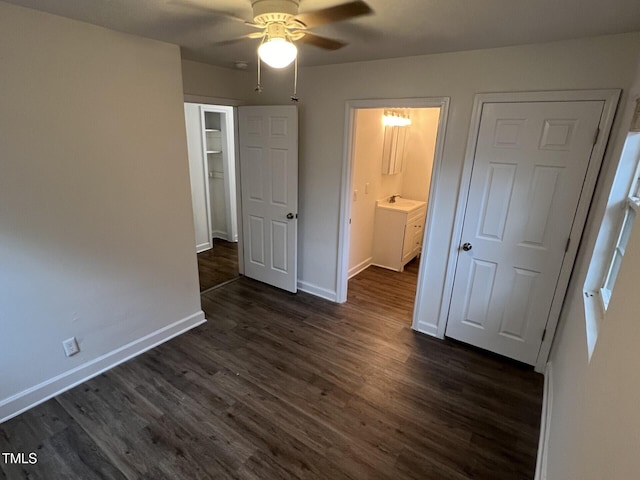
<point>397,28</point>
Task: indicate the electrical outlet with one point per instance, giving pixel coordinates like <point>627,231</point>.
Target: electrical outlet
<point>70,346</point>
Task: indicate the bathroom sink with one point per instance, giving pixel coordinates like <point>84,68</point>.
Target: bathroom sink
<point>403,204</point>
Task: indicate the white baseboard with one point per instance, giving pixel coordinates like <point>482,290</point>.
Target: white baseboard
<point>42,392</point>
<point>203,247</point>
<point>353,271</point>
<point>318,291</point>
<point>545,425</point>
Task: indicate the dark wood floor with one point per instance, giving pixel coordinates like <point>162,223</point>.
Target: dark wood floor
<point>218,264</point>
<point>282,386</point>
<point>391,294</point>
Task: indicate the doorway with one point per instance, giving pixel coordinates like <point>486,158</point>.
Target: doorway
<point>212,166</point>
<point>392,160</point>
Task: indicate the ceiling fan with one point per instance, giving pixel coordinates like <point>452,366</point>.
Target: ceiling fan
<point>280,25</point>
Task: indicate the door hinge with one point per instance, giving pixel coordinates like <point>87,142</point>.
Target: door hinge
<point>566,247</point>
<point>595,137</point>
<point>544,334</point>
<point>349,221</point>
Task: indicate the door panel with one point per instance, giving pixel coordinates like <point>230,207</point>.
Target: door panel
<point>268,138</point>
<point>529,167</point>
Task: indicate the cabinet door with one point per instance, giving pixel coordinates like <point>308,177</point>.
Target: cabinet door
<point>407,245</point>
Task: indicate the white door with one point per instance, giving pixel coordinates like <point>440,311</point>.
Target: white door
<point>529,167</point>
<point>268,138</point>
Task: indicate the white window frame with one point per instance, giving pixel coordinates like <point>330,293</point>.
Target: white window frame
<point>630,208</point>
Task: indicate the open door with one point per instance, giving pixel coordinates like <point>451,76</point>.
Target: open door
<point>268,141</point>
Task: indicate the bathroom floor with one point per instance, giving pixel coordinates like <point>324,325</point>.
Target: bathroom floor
<point>391,294</point>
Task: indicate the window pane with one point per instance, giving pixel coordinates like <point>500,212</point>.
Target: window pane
<point>627,226</point>
<point>613,272</point>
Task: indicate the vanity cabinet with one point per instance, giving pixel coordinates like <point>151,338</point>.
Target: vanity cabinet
<point>398,233</point>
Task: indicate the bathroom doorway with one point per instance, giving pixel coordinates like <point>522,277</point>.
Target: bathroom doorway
<point>392,159</point>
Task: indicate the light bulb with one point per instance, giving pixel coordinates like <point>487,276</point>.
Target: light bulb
<point>277,52</point>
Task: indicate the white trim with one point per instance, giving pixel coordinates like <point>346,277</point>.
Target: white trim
<point>227,131</point>
<point>42,392</point>
<point>432,205</point>
<point>610,98</point>
<point>202,247</point>
<point>361,267</point>
<point>545,425</point>
<point>236,145</point>
<point>342,269</point>
<point>205,172</point>
<point>317,291</point>
<point>593,315</point>
<point>227,125</point>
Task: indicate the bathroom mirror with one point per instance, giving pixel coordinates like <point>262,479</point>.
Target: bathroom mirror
<point>393,149</point>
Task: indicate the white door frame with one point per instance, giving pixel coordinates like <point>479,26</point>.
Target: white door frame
<point>232,104</point>
<point>610,98</point>
<point>347,180</point>
<point>227,127</point>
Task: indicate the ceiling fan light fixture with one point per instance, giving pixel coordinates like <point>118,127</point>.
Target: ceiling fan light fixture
<point>277,52</point>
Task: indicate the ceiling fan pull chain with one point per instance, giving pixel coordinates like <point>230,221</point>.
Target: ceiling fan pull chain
<point>259,85</point>
<point>294,97</point>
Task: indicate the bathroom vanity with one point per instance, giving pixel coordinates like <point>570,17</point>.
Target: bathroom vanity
<point>398,232</point>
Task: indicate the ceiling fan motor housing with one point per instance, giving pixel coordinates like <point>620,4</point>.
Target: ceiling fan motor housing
<point>267,11</point>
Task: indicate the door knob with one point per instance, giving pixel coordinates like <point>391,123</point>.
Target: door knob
<point>467,246</point>
<point>290,216</point>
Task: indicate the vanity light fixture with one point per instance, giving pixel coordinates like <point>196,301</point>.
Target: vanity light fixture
<point>392,118</point>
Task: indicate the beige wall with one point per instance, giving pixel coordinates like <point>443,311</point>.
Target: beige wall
<point>96,229</point>
<point>202,80</point>
<point>595,420</point>
<point>595,425</point>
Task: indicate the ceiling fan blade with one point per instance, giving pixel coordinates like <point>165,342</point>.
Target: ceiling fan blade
<point>334,14</point>
<point>231,41</point>
<point>321,42</point>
